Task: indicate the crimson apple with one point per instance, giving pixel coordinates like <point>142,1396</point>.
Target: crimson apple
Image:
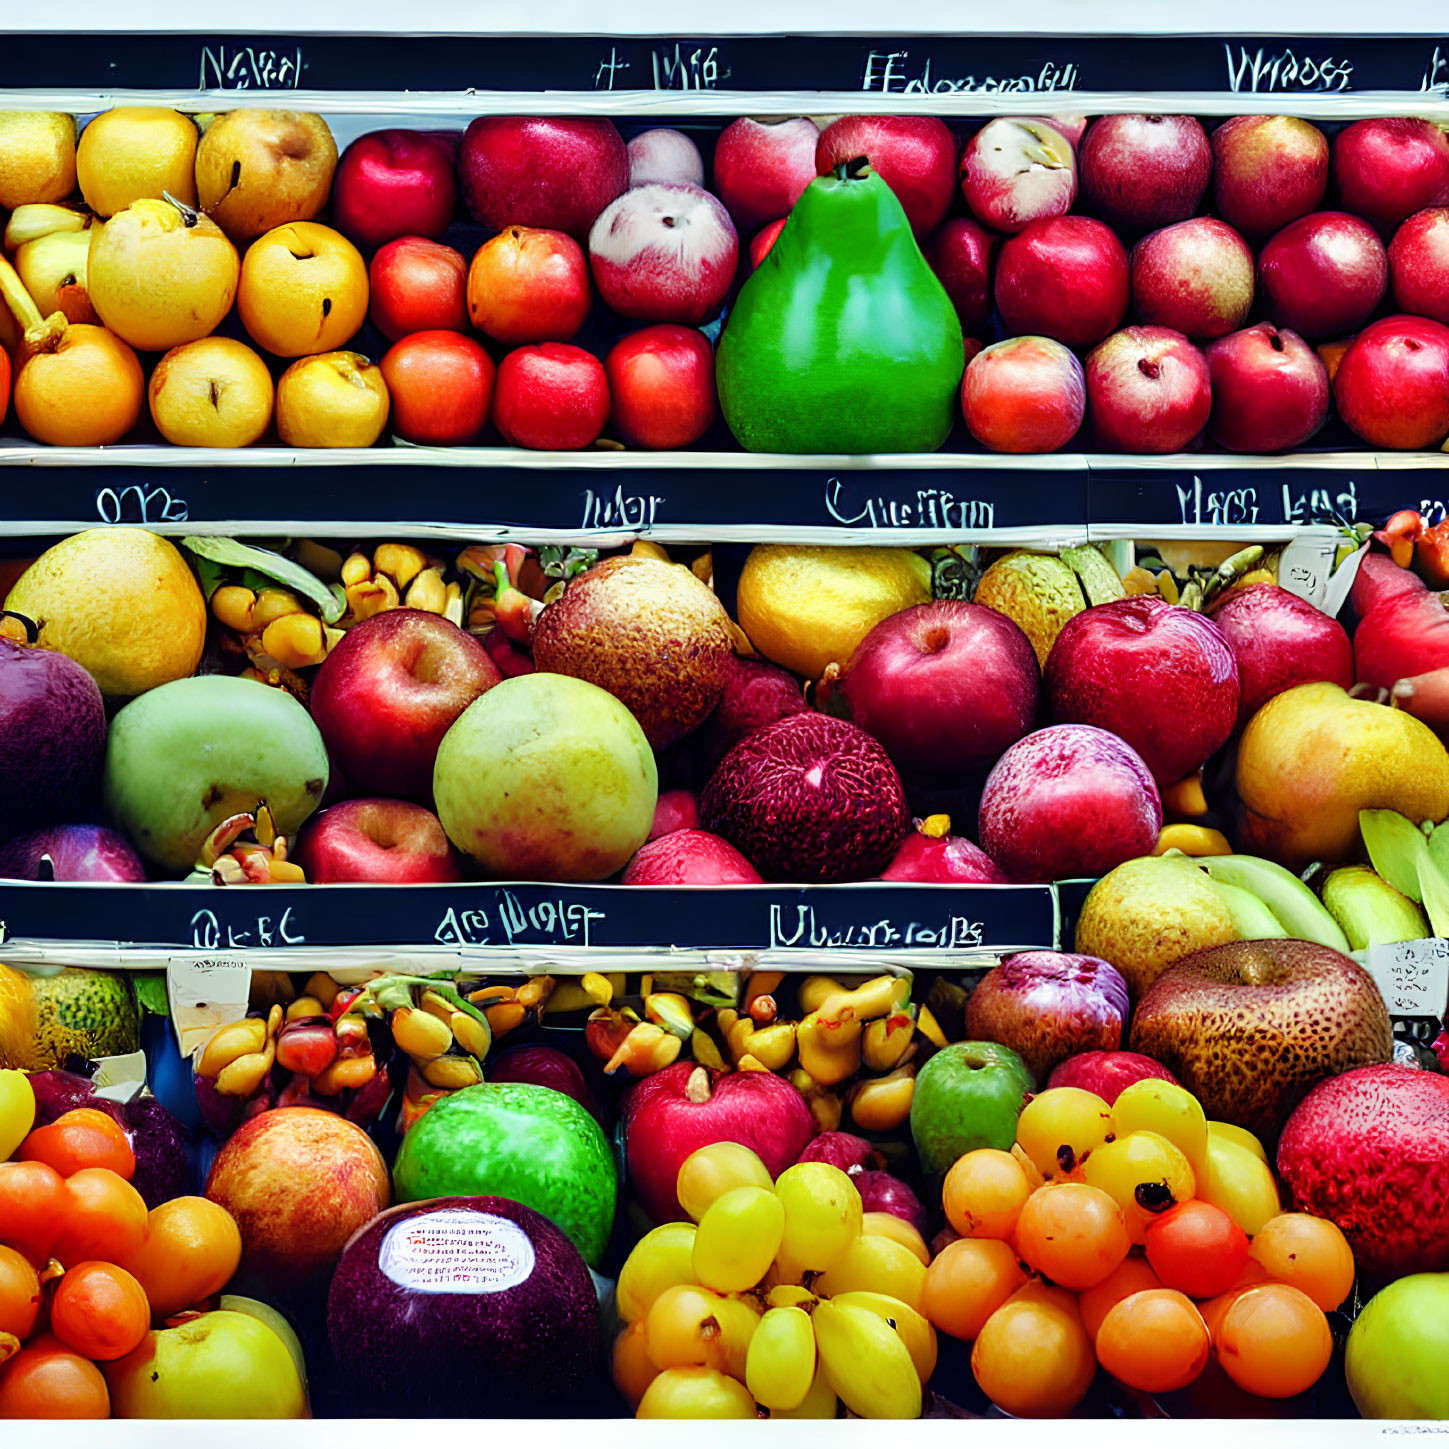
<point>674,1112</point>
<point>1419,264</point>
<point>551,395</point>
<point>1068,801</point>
<point>390,842</point>
<point>1195,276</point>
<point>1270,390</point>
<point>557,172</point>
<point>1380,579</point>
<point>960,255</point>
<point>881,1192</point>
<point>1402,636</point>
<point>664,155</point>
<point>386,695</point>
<point>544,1067</point>
<point>1107,1074</point>
<point>914,155</point>
<point>1065,278</point>
<point>1161,677</point>
<point>689,857</point>
<point>1268,171</point>
<point>394,183</point>
<point>1149,390</point>
<point>417,285</point>
<point>1024,395</point>
<point>763,240</point>
<point>529,284</point>
<point>843,1150</point>
<point>1392,387</point>
<point>762,167</point>
<point>942,860</point>
<point>674,810</point>
<point>1144,172</point>
<point>1015,171</point>
<point>661,381</point>
<point>1323,274</point>
<point>441,387</point>
<point>1389,167</point>
<point>75,852</point>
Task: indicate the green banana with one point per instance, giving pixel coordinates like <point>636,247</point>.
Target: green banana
<point>1252,919</point>
<point>866,1362</point>
<point>1301,914</point>
<point>780,1361</point>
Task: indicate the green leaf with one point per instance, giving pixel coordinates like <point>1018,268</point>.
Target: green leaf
<point>150,988</point>
<point>1394,843</point>
<point>217,556</point>
<point>1433,887</point>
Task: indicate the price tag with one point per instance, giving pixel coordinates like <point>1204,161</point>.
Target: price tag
<point>205,993</point>
<point>1413,976</point>
<point>119,1079</point>
<point>1306,566</point>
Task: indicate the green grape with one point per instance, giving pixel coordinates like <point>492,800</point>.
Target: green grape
<point>710,1172</point>
<point>876,1264</point>
<point>780,1364</point>
<point>660,1260</point>
<point>737,1239</point>
<point>1060,1127</point>
<point>822,1216</point>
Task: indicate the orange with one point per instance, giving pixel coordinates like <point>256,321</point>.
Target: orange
<point>32,1196</point>
<point>968,1280</point>
<point>102,1216</point>
<point>19,1293</point>
<point>82,389</point>
<point>1033,1357</point>
<point>100,1311</point>
<point>191,1249</point>
<point>1307,1252</point>
<point>1131,1275</point>
<point>303,290</point>
<point>85,1137</point>
<point>45,1380</point>
<point>984,1193</point>
<point>1155,1341</point>
<point>1273,1341</point>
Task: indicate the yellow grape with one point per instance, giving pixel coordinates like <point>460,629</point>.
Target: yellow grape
<point>1170,1111</point>
<point>696,1393</point>
<point>914,1328</point>
<point>1230,1132</point>
<point>1144,1174</point>
<point>633,1369</point>
<point>873,1264</point>
<point>1240,1183</point>
<point>738,1238</point>
<point>661,1259</point>
<point>690,1326</point>
<point>710,1172</point>
<point>1060,1127</point>
<point>888,1225</point>
<point>819,1403</point>
<point>780,1364</point>
<point>822,1216</point>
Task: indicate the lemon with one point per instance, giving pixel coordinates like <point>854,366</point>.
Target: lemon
<point>805,606</point>
<point>121,602</point>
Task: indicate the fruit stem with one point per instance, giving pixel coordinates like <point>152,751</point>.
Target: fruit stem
<point>189,214</point>
<point>697,1087</point>
<point>856,169</point>
<point>41,334</point>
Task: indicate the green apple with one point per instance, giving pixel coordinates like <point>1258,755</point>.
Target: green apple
<point>968,1095</point>
<point>1397,1350</point>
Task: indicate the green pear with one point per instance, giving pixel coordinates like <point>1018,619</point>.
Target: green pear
<point>1369,910</point>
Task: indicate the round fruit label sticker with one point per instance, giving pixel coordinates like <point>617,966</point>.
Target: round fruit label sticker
<point>456,1252</point>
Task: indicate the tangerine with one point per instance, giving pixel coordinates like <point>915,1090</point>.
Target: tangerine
<point>984,1193</point>
<point>32,1196</point>
<point>1308,1252</point>
<point>1155,1341</point>
<point>100,1311</point>
<point>1273,1341</point>
<point>101,1216</point>
<point>83,1137</point>
<point>45,1380</point>
<point>191,1250</point>
<point>968,1280</point>
<point>19,1293</point>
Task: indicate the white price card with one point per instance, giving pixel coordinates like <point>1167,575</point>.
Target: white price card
<point>205,993</point>
<point>119,1079</point>
<point>1413,976</point>
<point>1306,565</point>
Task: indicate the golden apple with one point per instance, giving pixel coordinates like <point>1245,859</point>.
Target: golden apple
<point>134,152</point>
<point>37,157</point>
<point>256,170</point>
<point>303,290</point>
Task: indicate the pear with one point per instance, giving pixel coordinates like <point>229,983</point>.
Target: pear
<point>37,157</point>
<point>1369,910</point>
<point>256,170</point>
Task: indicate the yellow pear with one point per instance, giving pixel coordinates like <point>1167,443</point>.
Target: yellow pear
<point>53,268</point>
<point>37,157</point>
<point>134,152</point>
<point>256,170</point>
<point>1036,591</point>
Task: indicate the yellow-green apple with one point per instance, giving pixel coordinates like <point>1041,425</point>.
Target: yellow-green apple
<point>1419,264</point>
<point>1018,170</point>
<point>1024,395</point>
<point>70,852</point>
<point>385,841</point>
<point>960,255</point>
<point>1267,171</point>
<point>914,155</point>
<point>664,155</point>
<point>942,859</point>
<point>1270,390</point>
<point>417,285</point>
<point>529,284</point>
<point>1107,1074</point>
<point>661,384</point>
<point>1323,274</point>
<point>1195,276</point>
<point>968,1095</point>
<point>1065,278</point>
<point>1392,386</point>
<point>440,385</point>
<point>551,395</point>
<point>395,183</point>
<point>1387,168</point>
<point>1149,390</point>
<point>1143,172</point>
<point>1397,1348</point>
<point>762,167</point>
<point>689,857</point>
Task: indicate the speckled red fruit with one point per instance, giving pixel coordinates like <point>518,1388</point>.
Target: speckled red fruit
<point>1065,278</point>
<point>1107,1074</point>
<point>552,396</point>
<point>1389,167</point>
<point>1141,172</point>
<point>441,388</point>
<point>1369,1150</point>
<point>661,381</point>
<point>1323,274</point>
<point>689,857</point>
<point>755,694</point>
<point>943,860</point>
<point>1392,387</point>
<point>1195,276</point>
<point>914,155</point>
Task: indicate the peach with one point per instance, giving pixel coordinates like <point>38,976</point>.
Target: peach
<point>528,284</point>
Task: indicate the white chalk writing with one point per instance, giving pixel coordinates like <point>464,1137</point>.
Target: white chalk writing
<point>135,504</point>
<point>1285,71</point>
<point>207,933</point>
<point>250,67</point>
<point>922,508</point>
<point>801,927</point>
<point>620,510</point>
<point>887,73</point>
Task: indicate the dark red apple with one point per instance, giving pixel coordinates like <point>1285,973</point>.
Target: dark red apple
<point>843,1150</point>
<point>1107,1074</point>
<point>1067,802</point>
<point>1024,395</point>
<point>375,840</point>
<point>674,810</point>
<point>388,693</point>
<point>1270,390</point>
<point>1389,167</point>
<point>1419,264</point>
<point>763,240</point>
<point>1195,276</point>
<point>762,167</point>
<point>390,184</point>
<point>1149,390</point>
<point>74,852</point>
<point>1143,172</point>
<point>684,1107</point>
<point>755,694</point>
<point>418,285</point>
<point>914,155</point>
<point>1392,387</point>
<point>1016,170</point>
<point>1268,171</point>
<point>1323,274</point>
<point>1161,677</point>
<point>529,284</point>
<point>441,388</point>
<point>942,860</point>
<point>557,172</point>
<point>661,381</point>
<point>881,1192</point>
<point>553,395</point>
<point>544,1067</point>
<point>1066,278</point>
<point>960,255</point>
<point>689,857</point>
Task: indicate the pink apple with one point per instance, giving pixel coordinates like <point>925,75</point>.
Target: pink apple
<point>1280,640</point>
<point>960,255</point>
<point>74,852</point>
<point>1195,276</point>
<point>664,155</point>
<point>1024,395</point>
<point>557,172</point>
<point>882,1192</point>
<point>661,381</point>
<point>689,857</point>
<point>1144,172</point>
<point>664,254</point>
<point>1380,579</point>
<point>417,285</point>
<point>1268,171</point>
<point>763,240</point>
<point>1018,171</point>
<point>386,695</point>
<point>1392,387</point>
<point>388,842</point>
<point>1066,802</point>
<point>551,396</point>
<point>1389,167</point>
<point>1107,1074</point>
<point>1270,390</point>
<point>529,284</point>
<point>914,155</point>
<point>1066,278</point>
<point>394,183</point>
<point>1323,274</point>
<point>1161,677</point>
<point>1149,390</point>
<point>762,167</point>
<point>942,860</point>
<point>674,810</point>
<point>1419,264</point>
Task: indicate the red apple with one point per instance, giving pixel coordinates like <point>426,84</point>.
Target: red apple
<point>388,693</point>
<point>1024,395</point>
<point>1379,579</point>
<point>914,155</point>
<point>1419,264</point>
<point>394,183</point>
<point>441,387</point>
<point>689,857</point>
<point>1392,387</point>
<point>1270,390</point>
<point>851,1154</point>
<point>1066,278</point>
<point>942,860</point>
<point>74,852</point>
<point>763,240</point>
<point>1195,276</point>
<point>684,1107</point>
<point>544,1067</point>
<point>1402,636</point>
<point>1149,390</point>
<point>1107,1074</point>
<point>1389,167</point>
<point>1015,171</point>
<point>664,254</point>
<point>762,167</point>
<point>1068,801</point>
<point>385,841</point>
<point>1161,677</point>
<point>1268,171</point>
<point>661,381</point>
<point>960,255</point>
<point>417,285</point>
<point>557,172</point>
<point>1280,640</point>
<point>1323,274</point>
<point>664,155</point>
<point>1143,172</point>
<point>674,810</point>
<point>527,284</point>
<point>551,396</point>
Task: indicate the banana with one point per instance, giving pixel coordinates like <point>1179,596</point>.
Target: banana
<point>914,1328</point>
<point>1301,914</point>
<point>866,1362</point>
<point>780,1361</point>
<point>1252,920</point>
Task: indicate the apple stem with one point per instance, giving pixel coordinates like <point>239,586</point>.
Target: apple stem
<point>189,214</point>
<point>856,169</point>
<point>697,1087</point>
